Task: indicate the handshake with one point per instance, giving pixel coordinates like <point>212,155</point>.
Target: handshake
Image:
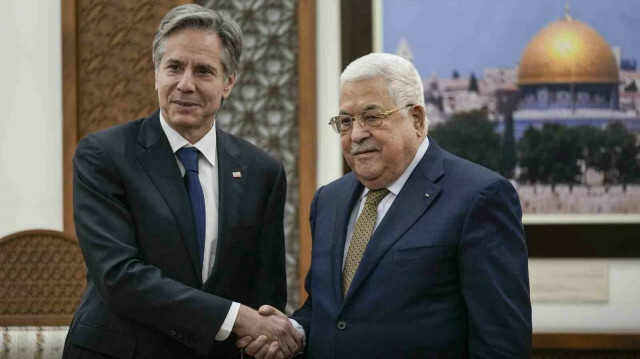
<point>266,333</point>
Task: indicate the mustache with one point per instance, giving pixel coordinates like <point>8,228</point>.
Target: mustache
<point>366,145</point>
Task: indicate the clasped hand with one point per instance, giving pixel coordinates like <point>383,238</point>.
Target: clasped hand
<point>266,333</point>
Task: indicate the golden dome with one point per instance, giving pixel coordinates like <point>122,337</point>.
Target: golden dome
<point>567,51</point>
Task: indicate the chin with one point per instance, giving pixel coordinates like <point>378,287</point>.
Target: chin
<point>184,120</point>
<point>368,174</point>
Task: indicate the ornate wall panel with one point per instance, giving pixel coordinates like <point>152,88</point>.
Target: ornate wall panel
<point>263,105</point>
<point>115,70</point>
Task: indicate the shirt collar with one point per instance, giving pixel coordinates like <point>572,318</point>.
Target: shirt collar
<point>397,185</point>
<point>206,145</point>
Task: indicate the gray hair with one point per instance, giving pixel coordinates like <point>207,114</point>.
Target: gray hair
<point>192,16</point>
<point>401,77</point>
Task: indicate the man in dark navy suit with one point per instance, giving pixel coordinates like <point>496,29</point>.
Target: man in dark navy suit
<point>180,223</point>
<point>416,253</point>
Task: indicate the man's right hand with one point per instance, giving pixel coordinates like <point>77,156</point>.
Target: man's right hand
<point>273,329</point>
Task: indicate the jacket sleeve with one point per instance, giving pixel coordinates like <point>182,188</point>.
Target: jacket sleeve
<point>129,286</point>
<point>494,277</point>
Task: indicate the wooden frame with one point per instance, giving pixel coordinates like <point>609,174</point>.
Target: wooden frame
<point>591,341</point>
<point>583,240</point>
<point>544,241</point>
<point>69,106</point>
<point>306,131</point>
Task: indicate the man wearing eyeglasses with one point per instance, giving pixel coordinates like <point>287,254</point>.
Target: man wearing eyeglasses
<point>416,253</point>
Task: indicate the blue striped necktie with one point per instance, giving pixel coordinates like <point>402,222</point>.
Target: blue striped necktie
<point>189,158</point>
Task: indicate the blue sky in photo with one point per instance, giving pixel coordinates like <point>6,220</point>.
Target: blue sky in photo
<point>471,35</point>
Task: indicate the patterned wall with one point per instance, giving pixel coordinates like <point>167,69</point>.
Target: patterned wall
<point>115,70</point>
<point>263,105</point>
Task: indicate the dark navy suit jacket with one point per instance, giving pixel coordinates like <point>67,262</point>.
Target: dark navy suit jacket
<point>443,276</point>
<point>145,297</point>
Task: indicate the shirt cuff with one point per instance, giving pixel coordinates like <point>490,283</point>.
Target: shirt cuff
<point>227,325</point>
<point>300,330</point>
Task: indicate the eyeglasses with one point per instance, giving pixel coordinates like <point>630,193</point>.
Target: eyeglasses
<point>343,124</point>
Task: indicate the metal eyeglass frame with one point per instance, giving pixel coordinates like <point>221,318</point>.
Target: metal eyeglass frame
<point>362,121</point>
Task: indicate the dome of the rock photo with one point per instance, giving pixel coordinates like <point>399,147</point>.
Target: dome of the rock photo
<point>567,51</point>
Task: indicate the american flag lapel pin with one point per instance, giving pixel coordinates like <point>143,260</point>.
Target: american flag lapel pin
<point>236,174</point>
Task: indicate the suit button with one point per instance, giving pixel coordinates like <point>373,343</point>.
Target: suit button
<point>179,335</point>
<point>342,324</point>
<point>172,332</point>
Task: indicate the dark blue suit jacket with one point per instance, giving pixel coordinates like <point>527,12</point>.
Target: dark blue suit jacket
<point>145,297</point>
<point>443,276</point>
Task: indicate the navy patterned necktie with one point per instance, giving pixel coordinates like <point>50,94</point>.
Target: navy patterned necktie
<point>189,158</point>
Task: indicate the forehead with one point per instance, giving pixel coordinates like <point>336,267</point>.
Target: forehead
<point>189,44</point>
<point>361,94</point>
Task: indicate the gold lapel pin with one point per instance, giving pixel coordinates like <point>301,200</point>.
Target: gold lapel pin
<point>236,174</point>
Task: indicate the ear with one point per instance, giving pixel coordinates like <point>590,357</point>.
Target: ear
<point>155,79</point>
<point>418,115</point>
<point>229,81</point>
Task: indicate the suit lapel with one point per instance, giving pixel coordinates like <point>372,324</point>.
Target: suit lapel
<point>157,159</point>
<point>344,206</point>
<point>412,202</point>
<point>230,188</point>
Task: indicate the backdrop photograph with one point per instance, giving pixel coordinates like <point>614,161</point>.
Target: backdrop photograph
<point>544,92</point>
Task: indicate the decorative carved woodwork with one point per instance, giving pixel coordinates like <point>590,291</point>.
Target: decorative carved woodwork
<point>42,277</point>
<point>115,70</point>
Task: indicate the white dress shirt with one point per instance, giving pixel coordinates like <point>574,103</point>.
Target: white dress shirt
<point>208,175</point>
<point>383,207</point>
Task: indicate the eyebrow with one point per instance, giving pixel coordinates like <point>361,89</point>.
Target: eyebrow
<point>175,62</point>
<point>366,108</point>
<point>197,65</point>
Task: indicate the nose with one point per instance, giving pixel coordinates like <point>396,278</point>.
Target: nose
<point>359,132</point>
<point>186,82</point>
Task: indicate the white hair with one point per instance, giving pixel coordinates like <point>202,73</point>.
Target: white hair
<point>401,77</point>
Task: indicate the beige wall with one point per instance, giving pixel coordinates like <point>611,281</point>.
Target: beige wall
<point>328,69</point>
<point>31,120</point>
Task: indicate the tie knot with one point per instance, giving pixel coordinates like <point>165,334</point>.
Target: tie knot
<point>189,158</point>
<point>374,197</point>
